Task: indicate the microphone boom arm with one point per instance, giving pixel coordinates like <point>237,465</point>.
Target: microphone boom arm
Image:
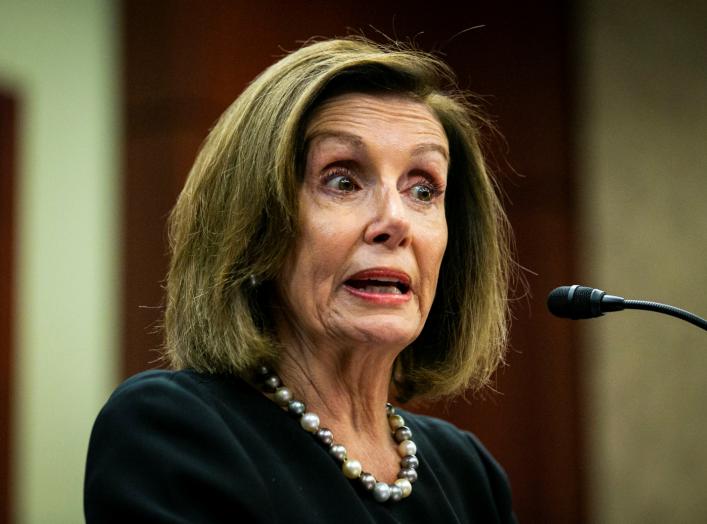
<point>666,309</point>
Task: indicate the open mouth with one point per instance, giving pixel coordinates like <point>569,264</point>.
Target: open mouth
<point>381,285</point>
<point>377,286</point>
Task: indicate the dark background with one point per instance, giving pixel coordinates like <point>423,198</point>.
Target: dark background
<point>184,62</point>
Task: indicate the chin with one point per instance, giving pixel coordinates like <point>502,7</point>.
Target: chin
<point>387,331</point>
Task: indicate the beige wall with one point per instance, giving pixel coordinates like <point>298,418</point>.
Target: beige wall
<point>643,188</point>
<point>60,58</point>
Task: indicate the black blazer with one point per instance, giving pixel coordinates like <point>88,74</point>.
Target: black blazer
<point>188,447</point>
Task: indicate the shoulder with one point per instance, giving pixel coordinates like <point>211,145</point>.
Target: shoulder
<point>448,438</point>
<point>462,463</point>
<point>163,383</point>
<point>159,404</point>
<point>185,394</point>
<point>157,429</point>
<point>150,399</point>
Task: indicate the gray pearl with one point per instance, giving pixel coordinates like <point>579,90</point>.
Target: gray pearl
<point>403,433</point>
<point>325,436</point>
<point>296,407</point>
<point>409,461</point>
<point>262,371</point>
<point>395,493</point>
<point>283,396</point>
<point>389,409</point>
<point>368,481</point>
<point>408,473</point>
<point>272,382</point>
<point>338,452</point>
<point>381,492</point>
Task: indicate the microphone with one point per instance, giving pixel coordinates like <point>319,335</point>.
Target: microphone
<point>577,302</point>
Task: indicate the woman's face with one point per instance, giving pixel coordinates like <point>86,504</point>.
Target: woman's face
<point>372,224</point>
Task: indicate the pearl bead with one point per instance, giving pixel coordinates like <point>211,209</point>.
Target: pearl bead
<point>368,481</point>
<point>403,433</point>
<point>309,422</point>
<point>407,447</point>
<point>283,396</point>
<point>405,486</point>
<point>381,492</point>
<point>272,382</point>
<point>396,421</point>
<point>395,493</point>
<point>351,468</point>
<point>409,461</point>
<point>296,407</point>
<point>325,436</point>
<point>338,452</point>
<point>409,474</point>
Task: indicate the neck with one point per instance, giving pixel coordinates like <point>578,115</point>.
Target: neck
<point>347,388</point>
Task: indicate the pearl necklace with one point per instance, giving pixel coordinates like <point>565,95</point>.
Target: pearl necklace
<point>351,468</point>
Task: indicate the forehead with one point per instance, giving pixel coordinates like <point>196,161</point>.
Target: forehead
<point>371,115</point>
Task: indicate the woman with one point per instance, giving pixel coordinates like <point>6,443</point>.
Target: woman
<point>337,241</point>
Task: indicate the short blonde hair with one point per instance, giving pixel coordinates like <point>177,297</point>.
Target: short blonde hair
<point>236,220</point>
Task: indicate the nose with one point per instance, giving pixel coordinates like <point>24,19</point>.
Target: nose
<point>390,224</point>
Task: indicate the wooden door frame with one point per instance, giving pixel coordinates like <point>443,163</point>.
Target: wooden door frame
<point>8,175</point>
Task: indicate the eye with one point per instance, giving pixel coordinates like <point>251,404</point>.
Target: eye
<point>341,181</point>
<point>424,192</point>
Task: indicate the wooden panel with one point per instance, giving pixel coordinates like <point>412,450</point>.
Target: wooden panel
<point>186,61</point>
<point>8,165</point>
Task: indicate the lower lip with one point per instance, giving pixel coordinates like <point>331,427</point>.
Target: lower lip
<point>379,298</point>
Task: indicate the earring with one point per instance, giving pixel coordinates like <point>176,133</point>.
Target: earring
<point>253,280</point>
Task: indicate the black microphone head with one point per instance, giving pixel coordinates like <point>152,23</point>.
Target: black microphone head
<point>575,302</point>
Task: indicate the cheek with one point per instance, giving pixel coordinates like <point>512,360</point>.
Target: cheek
<point>326,235</point>
<point>436,238</point>
<point>330,231</point>
<point>434,246</point>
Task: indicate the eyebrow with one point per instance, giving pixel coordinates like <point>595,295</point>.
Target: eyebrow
<point>431,146</point>
<point>357,142</point>
<point>340,136</point>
